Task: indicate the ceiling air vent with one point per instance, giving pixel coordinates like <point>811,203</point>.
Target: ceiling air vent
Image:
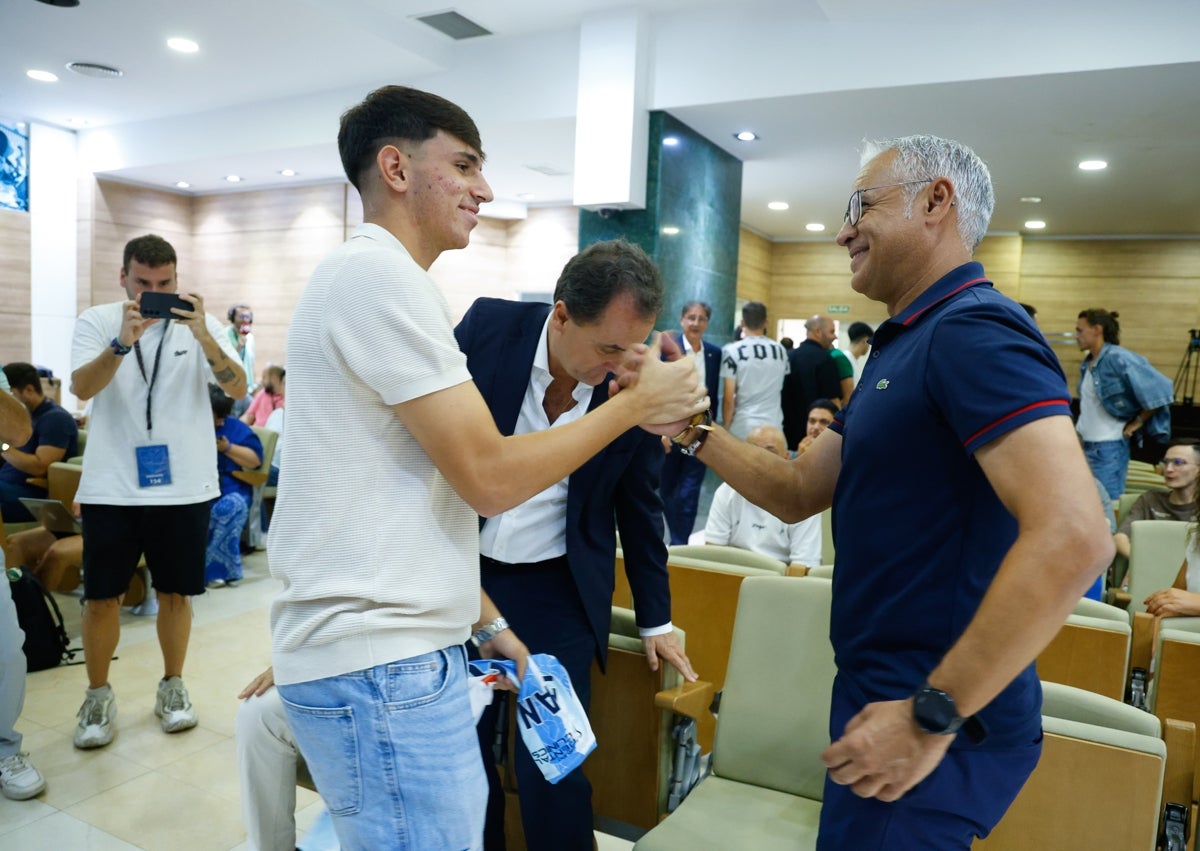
<point>453,25</point>
<point>94,69</point>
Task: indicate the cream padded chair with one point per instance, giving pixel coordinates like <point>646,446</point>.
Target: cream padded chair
<point>1090,653</point>
<point>822,571</point>
<point>257,479</point>
<point>767,778</point>
<point>1098,784</point>
<point>1156,551</point>
<point>725,555</point>
<point>1095,609</point>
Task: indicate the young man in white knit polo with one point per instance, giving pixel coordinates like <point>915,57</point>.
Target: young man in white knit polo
<point>375,533</point>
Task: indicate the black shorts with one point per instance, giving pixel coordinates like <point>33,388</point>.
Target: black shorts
<point>173,537</point>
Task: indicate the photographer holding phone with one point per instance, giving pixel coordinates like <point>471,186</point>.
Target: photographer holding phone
<point>149,481</point>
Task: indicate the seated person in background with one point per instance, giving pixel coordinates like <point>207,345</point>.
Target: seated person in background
<point>275,423</point>
<point>1181,469</point>
<point>1182,598</point>
<point>47,555</point>
<point>268,399</point>
<point>820,415</point>
<point>55,437</point>
<point>736,522</point>
<point>237,447</point>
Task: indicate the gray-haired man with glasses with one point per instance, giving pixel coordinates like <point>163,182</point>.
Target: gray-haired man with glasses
<point>957,484</point>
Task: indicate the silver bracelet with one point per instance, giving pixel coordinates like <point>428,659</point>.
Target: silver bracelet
<point>489,631</point>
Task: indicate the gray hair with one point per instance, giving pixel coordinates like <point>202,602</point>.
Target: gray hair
<point>919,157</point>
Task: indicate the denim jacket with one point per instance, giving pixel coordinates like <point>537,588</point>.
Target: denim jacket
<point>1127,384</point>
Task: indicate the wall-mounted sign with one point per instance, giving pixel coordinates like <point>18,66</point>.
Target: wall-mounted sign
<point>838,308</point>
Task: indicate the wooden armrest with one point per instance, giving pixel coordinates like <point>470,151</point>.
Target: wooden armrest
<point>1120,599</point>
<point>796,570</point>
<point>38,482</point>
<point>250,477</point>
<point>1179,773</point>
<point>691,700</point>
<point>1141,645</point>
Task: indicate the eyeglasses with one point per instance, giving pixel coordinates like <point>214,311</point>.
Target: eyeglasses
<point>854,206</point>
<point>1176,462</point>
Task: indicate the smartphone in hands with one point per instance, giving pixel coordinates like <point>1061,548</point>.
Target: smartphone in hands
<point>158,305</point>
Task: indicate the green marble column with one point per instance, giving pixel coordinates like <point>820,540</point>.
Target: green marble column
<point>690,225</point>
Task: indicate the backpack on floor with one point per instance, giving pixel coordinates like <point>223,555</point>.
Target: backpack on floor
<point>46,642</point>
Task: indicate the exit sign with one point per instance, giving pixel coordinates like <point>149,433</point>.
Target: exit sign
<point>838,308</point>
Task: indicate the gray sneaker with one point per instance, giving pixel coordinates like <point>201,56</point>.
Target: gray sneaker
<point>96,718</point>
<point>18,779</point>
<point>173,706</point>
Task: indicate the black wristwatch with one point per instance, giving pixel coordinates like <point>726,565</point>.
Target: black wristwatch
<point>935,712</point>
<point>118,348</point>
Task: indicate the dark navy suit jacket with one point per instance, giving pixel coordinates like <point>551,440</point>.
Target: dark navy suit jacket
<point>617,486</point>
<point>712,370</point>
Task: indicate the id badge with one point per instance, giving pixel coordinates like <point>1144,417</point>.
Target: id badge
<point>153,465</point>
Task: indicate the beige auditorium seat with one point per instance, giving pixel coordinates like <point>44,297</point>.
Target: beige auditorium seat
<point>634,712</point>
<point>821,571</point>
<point>726,555</point>
<point>767,778</point>
<point>256,477</point>
<point>1098,784</point>
<point>1156,550</point>
<point>1090,653</point>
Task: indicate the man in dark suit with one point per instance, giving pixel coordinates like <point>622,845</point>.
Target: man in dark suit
<point>813,376</point>
<point>549,563</point>
<point>682,475</point>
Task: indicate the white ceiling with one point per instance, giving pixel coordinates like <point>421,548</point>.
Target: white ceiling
<point>1034,87</point>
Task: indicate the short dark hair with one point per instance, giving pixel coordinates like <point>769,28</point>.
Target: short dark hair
<point>21,374</point>
<point>233,310</point>
<point>1029,308</point>
<point>151,250</point>
<point>1106,320</point>
<point>222,404</point>
<point>754,315</point>
<point>787,342</point>
<point>858,330</point>
<point>398,112</point>
<point>601,272</point>
<point>1191,442</point>
<point>822,403</point>
<point>703,305</point>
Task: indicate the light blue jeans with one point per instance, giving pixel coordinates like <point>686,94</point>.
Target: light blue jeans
<point>1109,460</point>
<point>393,751</point>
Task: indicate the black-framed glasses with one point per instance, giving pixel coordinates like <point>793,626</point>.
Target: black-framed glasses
<point>854,206</point>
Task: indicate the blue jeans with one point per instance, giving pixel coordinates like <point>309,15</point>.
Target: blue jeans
<point>679,484</point>
<point>1109,460</point>
<point>393,751</point>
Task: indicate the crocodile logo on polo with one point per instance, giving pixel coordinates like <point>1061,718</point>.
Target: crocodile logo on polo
<point>882,384</point>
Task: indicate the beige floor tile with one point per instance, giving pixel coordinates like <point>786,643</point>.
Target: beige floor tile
<point>160,812</point>
<point>213,769</point>
<point>73,775</point>
<point>60,831</point>
<point>17,814</point>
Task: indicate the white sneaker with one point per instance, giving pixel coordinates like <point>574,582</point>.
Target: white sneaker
<point>96,718</point>
<point>18,779</point>
<point>149,606</point>
<point>173,706</point>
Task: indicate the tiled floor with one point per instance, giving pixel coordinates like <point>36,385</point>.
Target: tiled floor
<point>147,789</point>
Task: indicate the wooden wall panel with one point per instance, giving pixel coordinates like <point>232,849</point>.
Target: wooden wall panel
<point>1153,284</point>
<point>14,286</point>
<point>808,277</point>
<point>477,270</point>
<point>539,246</point>
<point>1001,259</point>
<point>754,270</point>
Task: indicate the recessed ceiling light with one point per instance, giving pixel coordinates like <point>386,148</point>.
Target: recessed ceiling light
<point>746,136</point>
<point>1093,165</point>
<point>777,205</point>
<point>670,231</point>
<point>79,122</point>
<point>288,172</point>
<point>1030,199</point>
<point>41,76</point>
<point>233,178</point>
<point>1035,224</point>
<point>815,227</point>
<point>670,141</point>
<point>183,45</point>
<point>182,184</point>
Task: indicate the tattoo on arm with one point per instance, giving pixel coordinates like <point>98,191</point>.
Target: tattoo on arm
<point>224,376</point>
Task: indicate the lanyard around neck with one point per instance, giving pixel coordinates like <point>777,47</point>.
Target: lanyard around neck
<point>137,348</point>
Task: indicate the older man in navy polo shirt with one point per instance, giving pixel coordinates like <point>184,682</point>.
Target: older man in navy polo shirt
<point>957,486</point>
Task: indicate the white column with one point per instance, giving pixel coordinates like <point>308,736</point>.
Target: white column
<point>612,115</point>
<point>53,210</point>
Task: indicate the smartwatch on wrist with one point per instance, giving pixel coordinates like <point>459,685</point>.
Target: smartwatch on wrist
<point>934,712</point>
<point>118,348</point>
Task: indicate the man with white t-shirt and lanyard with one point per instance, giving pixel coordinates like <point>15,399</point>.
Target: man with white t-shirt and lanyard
<point>149,478</point>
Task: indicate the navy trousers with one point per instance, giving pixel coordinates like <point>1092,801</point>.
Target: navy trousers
<point>679,485</point>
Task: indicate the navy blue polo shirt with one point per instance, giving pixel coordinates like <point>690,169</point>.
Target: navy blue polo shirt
<point>919,530</point>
